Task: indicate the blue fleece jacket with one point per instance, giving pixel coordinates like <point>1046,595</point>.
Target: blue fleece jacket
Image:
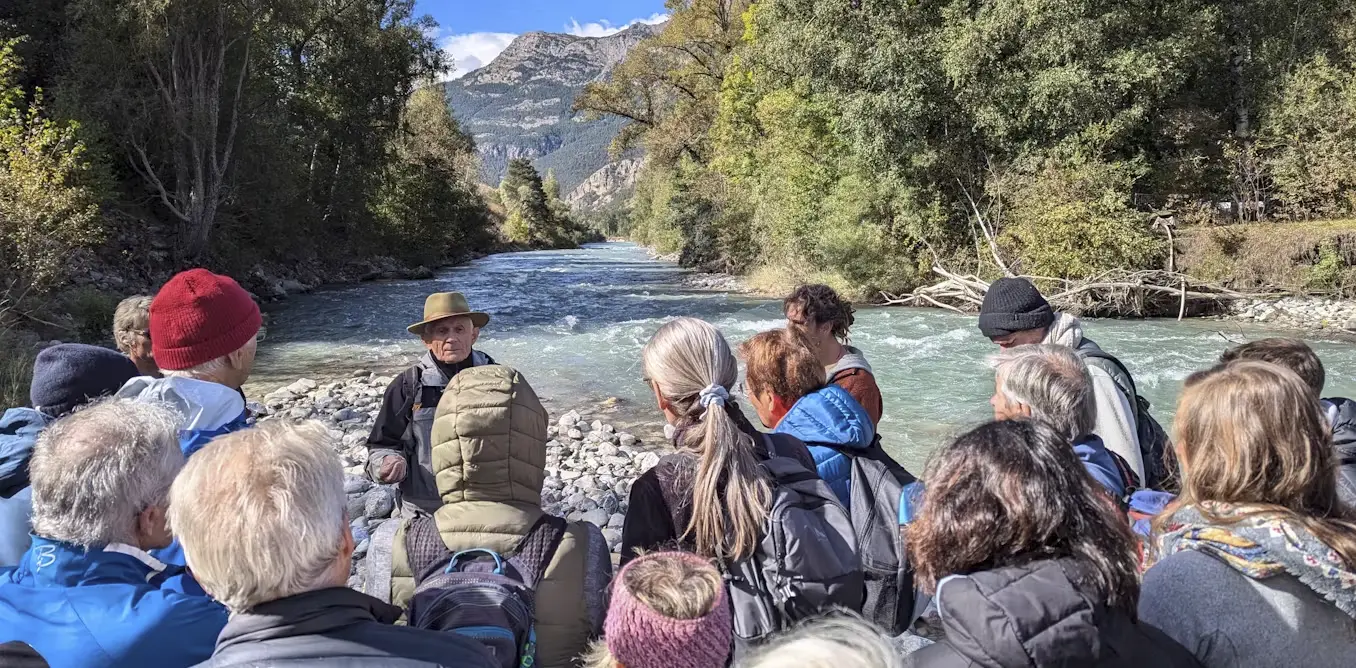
<point>1099,463</point>
<point>115,606</point>
<point>19,429</point>
<point>830,417</point>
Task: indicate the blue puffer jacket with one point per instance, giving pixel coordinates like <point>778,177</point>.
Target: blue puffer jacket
<point>19,429</point>
<point>105,607</point>
<point>830,416</point>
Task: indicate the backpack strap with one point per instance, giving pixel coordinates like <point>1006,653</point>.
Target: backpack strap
<point>538,547</point>
<point>424,547</point>
<point>380,560</point>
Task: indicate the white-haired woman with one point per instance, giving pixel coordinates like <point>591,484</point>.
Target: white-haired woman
<point>711,497</point>
<point>132,333</point>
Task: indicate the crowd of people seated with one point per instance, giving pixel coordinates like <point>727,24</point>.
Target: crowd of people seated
<point>147,519</point>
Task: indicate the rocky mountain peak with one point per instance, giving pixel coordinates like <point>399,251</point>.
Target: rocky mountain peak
<point>520,104</point>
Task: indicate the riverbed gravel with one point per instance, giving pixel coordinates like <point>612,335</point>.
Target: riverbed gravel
<point>590,464</point>
<point>1303,313</point>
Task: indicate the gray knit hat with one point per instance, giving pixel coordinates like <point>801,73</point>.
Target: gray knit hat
<point>1013,305</point>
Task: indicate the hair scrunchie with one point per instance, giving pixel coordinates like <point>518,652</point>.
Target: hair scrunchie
<point>713,394</point>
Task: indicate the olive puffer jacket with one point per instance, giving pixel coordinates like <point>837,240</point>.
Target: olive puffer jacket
<point>489,459</point>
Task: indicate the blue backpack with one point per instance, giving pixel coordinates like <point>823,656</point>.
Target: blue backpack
<point>479,593</point>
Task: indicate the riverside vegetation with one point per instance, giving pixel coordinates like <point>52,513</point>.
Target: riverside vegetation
<point>288,143</point>
<point>862,143</point>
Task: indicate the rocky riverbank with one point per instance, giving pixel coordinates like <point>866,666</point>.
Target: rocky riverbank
<point>590,464</point>
<point>1302,313</point>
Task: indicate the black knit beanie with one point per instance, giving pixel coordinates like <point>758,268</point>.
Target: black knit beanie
<point>1013,305</point>
<point>70,374</point>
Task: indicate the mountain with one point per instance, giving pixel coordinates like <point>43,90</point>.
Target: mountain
<point>519,106</point>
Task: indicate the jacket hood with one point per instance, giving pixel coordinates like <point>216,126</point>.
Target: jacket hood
<point>206,406</point>
<point>309,613</point>
<point>1342,416</point>
<point>853,359</point>
<point>1261,547</point>
<point>829,415</point>
<point>489,438</point>
<point>1066,330</point>
<point>19,429</point>
<point>1026,615</point>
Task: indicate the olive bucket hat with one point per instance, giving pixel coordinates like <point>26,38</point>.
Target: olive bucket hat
<point>447,305</point>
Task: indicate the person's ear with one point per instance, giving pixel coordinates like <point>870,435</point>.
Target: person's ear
<point>780,406</point>
<point>659,397</point>
<point>475,335</point>
<point>346,544</point>
<point>152,529</point>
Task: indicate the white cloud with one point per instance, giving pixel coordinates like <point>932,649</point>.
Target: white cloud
<point>475,50</point>
<point>604,28</point>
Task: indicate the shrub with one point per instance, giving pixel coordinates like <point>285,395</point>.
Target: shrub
<point>1072,218</point>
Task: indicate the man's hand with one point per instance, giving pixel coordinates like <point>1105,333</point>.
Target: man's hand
<point>391,470</point>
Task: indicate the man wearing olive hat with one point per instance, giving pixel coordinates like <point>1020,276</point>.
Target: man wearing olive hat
<point>403,431</point>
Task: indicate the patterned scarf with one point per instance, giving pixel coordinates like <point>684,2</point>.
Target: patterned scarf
<point>1262,547</point>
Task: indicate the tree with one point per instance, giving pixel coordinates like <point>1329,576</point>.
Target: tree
<point>47,207</point>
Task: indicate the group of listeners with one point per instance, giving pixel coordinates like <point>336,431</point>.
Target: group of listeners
<point>145,519</point>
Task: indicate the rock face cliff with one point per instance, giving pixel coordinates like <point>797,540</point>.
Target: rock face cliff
<point>519,106</point>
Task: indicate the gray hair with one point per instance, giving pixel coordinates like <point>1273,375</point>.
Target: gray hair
<point>261,513</point>
<point>131,319</point>
<point>1053,381</point>
<point>840,640</point>
<point>94,471</point>
<point>209,370</point>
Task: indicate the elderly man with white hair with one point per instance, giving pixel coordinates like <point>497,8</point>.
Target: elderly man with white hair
<point>87,593</point>
<point>262,519</point>
<point>1051,383</point>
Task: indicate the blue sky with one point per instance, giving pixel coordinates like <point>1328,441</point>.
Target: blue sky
<point>473,32</point>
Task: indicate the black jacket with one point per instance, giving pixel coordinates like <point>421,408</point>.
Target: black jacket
<point>1034,616</point>
<point>338,627</point>
<point>1342,415</point>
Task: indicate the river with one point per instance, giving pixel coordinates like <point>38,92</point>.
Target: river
<point>574,323</point>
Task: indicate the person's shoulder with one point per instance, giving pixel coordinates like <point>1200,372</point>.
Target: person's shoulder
<point>1184,579</point>
<point>422,645</point>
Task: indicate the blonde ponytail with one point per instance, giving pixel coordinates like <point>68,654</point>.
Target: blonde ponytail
<point>693,367</point>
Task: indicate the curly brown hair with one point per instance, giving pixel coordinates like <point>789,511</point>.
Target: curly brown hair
<point>1013,492</point>
<point>820,304</point>
<point>1292,354</point>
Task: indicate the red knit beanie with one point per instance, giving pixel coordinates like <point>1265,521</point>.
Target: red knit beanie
<point>199,316</point>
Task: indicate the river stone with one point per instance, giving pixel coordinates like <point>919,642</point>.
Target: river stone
<point>606,450</point>
<point>613,537</point>
<point>568,420</point>
<point>626,440</point>
<point>609,503</point>
<point>576,435</point>
<point>597,516</point>
<point>597,425</point>
<point>303,386</point>
<point>357,504</point>
<point>567,475</point>
<point>609,429</point>
<point>349,414</point>
<point>356,484</point>
<point>380,502</point>
<point>646,461</point>
<point>360,550</point>
<point>353,438</point>
<point>616,521</point>
<point>300,412</point>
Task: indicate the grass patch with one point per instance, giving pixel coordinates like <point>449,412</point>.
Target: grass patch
<point>16,368</point>
<point>1310,256</point>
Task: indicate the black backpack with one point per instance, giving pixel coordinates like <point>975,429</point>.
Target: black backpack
<point>478,593</point>
<point>1155,447</point>
<point>806,561</point>
<point>877,486</point>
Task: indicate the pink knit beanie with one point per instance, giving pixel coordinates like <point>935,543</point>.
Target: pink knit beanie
<point>639,637</point>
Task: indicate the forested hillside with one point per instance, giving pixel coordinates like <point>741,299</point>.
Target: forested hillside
<point>862,141</point>
<point>283,137</point>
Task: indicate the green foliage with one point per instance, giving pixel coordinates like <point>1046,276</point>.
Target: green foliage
<point>1310,141</point>
<point>1072,218</point>
<point>427,204</point>
<point>1327,272</point>
<point>536,216</point>
<point>47,207</point>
